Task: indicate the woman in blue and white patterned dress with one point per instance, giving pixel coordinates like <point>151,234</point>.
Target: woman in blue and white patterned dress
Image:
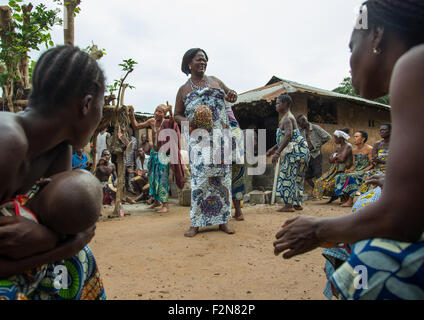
<point>210,161</point>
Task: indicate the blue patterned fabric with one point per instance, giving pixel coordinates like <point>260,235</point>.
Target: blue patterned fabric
<point>84,282</point>
<point>210,181</point>
<point>293,168</point>
<point>158,168</point>
<point>394,269</point>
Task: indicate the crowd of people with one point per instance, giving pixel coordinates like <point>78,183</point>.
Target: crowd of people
<point>50,190</point>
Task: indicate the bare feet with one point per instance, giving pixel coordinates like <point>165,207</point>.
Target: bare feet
<point>238,217</point>
<point>332,199</point>
<point>348,203</point>
<point>226,229</point>
<point>164,208</point>
<point>298,208</point>
<point>286,208</point>
<point>154,205</point>
<point>191,232</point>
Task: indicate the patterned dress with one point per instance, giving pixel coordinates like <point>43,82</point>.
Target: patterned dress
<point>293,168</point>
<point>238,166</point>
<point>394,269</point>
<point>324,186</point>
<point>76,278</point>
<point>349,183</point>
<point>210,168</point>
<point>158,168</point>
<point>378,169</point>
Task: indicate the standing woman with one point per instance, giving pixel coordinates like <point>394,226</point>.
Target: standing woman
<point>210,183</point>
<point>387,236</point>
<point>296,157</point>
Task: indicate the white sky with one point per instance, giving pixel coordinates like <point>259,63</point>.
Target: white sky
<point>247,41</point>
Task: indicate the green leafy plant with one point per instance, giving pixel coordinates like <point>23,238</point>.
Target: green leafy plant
<point>23,28</point>
<point>346,87</point>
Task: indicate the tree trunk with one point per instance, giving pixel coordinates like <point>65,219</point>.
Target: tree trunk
<point>5,29</point>
<point>94,152</point>
<point>68,27</point>
<point>120,189</point>
<point>24,63</point>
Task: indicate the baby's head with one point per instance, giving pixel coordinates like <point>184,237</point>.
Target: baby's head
<point>70,203</point>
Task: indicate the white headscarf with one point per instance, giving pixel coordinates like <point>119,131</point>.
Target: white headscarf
<point>341,134</point>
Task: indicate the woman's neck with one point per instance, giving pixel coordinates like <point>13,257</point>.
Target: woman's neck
<point>197,77</point>
<point>44,132</point>
<point>360,146</point>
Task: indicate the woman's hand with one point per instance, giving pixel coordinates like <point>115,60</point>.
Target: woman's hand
<point>269,153</point>
<point>21,237</point>
<point>377,180</point>
<point>231,96</point>
<point>297,236</point>
<point>74,244</point>
<point>275,158</point>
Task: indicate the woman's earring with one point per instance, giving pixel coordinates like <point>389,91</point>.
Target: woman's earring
<point>376,51</point>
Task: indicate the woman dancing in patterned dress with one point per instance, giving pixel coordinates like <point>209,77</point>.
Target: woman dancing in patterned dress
<point>210,180</point>
<point>295,152</point>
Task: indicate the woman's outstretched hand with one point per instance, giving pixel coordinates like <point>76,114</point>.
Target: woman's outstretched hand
<point>298,235</point>
<point>231,96</point>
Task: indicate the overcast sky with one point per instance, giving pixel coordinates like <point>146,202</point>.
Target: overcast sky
<point>247,41</point>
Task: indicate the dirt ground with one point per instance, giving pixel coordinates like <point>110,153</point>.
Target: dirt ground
<point>146,256</point>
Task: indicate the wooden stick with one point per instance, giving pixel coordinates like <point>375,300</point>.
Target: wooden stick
<point>276,173</point>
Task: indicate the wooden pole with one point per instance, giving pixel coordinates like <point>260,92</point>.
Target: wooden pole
<point>276,173</point>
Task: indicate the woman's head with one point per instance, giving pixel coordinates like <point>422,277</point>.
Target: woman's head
<point>160,112</point>
<point>393,27</point>
<point>360,137</point>
<point>194,61</point>
<point>68,81</point>
<point>341,135</point>
<point>283,103</point>
<point>385,130</point>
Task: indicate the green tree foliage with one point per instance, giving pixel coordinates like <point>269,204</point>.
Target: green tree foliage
<point>346,87</point>
<point>22,28</point>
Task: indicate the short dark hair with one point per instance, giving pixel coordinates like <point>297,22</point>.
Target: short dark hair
<point>346,130</point>
<point>300,116</point>
<point>364,135</point>
<point>403,17</point>
<point>388,125</point>
<point>188,56</point>
<point>104,151</point>
<point>285,98</point>
<point>62,73</point>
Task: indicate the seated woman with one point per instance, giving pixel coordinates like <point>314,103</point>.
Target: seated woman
<point>340,160</point>
<point>387,236</point>
<point>380,152</point>
<point>347,184</point>
<point>64,109</point>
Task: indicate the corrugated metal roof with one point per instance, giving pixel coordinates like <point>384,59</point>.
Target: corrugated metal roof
<point>273,90</point>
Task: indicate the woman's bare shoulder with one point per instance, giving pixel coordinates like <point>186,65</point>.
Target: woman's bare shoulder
<point>13,137</point>
<point>407,78</point>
